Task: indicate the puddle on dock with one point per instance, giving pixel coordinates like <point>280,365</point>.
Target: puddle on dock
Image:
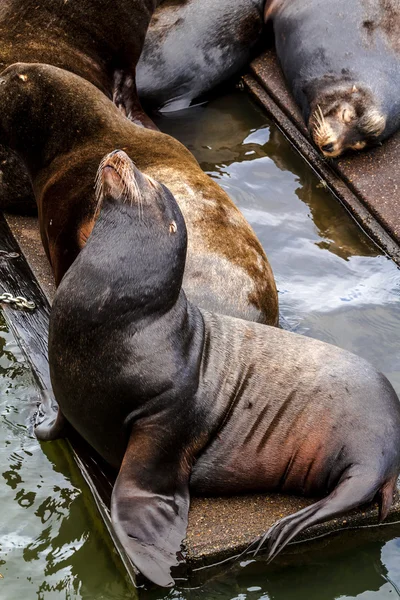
<point>334,285</point>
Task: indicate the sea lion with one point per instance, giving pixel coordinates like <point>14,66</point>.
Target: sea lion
<point>342,64</point>
<point>90,38</point>
<point>192,46</point>
<point>87,37</point>
<point>61,126</point>
<point>191,397</point>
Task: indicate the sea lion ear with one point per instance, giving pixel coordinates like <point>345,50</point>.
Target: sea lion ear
<point>150,504</point>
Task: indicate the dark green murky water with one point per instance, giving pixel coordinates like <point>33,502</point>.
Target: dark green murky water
<point>334,285</point>
<point>52,542</point>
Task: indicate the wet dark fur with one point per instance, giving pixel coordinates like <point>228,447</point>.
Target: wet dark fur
<point>193,46</point>
<point>325,49</point>
<point>228,405</point>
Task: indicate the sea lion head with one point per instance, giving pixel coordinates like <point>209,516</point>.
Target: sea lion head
<point>119,182</point>
<point>139,234</point>
<point>42,112</point>
<point>345,118</point>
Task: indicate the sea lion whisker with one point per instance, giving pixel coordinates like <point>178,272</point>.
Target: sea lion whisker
<point>129,188</point>
<point>99,187</point>
<point>320,128</point>
<point>317,120</point>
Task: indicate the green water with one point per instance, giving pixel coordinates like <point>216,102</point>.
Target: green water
<point>52,541</point>
<point>334,285</point>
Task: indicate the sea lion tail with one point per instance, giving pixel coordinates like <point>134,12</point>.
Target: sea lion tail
<point>354,489</point>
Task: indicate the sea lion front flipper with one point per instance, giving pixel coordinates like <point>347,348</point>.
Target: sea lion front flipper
<point>50,423</point>
<point>150,502</point>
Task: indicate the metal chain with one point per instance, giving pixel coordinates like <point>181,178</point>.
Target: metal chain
<point>18,301</point>
<point>9,254</point>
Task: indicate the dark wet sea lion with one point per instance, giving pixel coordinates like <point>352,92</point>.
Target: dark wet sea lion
<point>190,396</point>
<point>194,45</point>
<point>62,126</point>
<point>91,38</point>
<point>342,63</point>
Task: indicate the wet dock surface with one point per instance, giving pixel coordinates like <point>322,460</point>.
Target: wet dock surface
<point>367,183</point>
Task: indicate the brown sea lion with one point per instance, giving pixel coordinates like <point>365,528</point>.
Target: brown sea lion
<point>342,64</point>
<point>61,126</point>
<point>97,40</point>
<point>192,46</point>
<point>191,399</point>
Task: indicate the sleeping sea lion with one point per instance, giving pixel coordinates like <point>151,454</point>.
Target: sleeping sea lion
<point>342,63</point>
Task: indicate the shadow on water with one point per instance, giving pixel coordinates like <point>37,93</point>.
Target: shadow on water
<point>334,285</point>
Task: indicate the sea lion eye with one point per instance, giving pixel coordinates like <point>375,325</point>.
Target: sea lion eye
<point>173,227</point>
<point>347,115</point>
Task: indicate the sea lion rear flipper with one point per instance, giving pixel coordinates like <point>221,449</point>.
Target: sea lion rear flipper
<point>49,421</point>
<point>175,104</point>
<point>150,503</point>
<point>352,491</point>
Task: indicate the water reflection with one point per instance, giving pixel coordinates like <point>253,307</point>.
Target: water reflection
<point>233,130</point>
<point>355,564</point>
<point>52,542</point>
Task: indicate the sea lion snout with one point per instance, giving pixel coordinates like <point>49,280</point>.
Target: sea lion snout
<point>118,180</point>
